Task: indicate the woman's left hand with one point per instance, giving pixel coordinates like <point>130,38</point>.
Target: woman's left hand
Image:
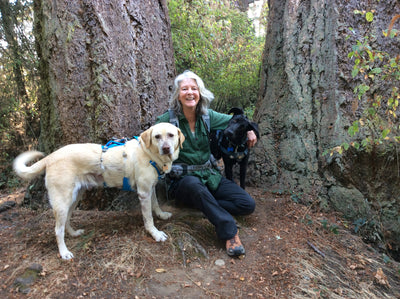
<point>251,139</point>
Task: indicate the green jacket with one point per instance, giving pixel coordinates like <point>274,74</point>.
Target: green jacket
<point>196,149</point>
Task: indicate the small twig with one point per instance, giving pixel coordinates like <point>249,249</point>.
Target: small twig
<point>316,249</point>
<point>309,208</point>
<point>392,23</point>
<point>290,213</point>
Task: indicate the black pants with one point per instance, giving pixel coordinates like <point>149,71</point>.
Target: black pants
<point>218,206</point>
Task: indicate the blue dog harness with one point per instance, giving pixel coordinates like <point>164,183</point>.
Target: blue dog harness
<point>126,186</point>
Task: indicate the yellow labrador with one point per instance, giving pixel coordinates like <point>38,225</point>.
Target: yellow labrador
<point>76,167</point>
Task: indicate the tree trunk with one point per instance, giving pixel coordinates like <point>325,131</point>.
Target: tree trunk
<point>307,104</point>
<point>107,68</point>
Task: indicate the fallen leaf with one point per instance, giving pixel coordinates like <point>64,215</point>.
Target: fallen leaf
<point>381,278</point>
<point>275,273</point>
<point>161,270</point>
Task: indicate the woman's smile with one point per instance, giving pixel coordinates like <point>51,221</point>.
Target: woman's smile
<point>189,94</point>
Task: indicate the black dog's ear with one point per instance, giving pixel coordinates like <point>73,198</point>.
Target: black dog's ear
<point>236,111</point>
<point>254,127</point>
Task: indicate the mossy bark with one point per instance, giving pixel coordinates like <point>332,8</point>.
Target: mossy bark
<point>307,104</point>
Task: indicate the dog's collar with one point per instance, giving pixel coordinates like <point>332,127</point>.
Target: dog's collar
<point>231,146</point>
<point>235,152</point>
<point>161,174</point>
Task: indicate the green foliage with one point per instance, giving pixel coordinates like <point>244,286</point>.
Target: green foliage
<point>249,111</point>
<point>18,84</point>
<point>296,197</point>
<point>330,227</point>
<point>369,15</point>
<point>217,42</point>
<point>377,94</point>
<point>386,259</point>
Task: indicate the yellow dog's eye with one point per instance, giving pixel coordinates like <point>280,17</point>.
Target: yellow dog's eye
<point>170,135</point>
<point>158,136</point>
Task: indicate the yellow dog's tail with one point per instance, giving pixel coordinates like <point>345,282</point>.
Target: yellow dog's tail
<point>29,172</point>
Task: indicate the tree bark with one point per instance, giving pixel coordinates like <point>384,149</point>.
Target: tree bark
<point>107,68</point>
<point>307,104</point>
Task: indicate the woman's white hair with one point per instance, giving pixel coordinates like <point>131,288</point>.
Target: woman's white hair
<point>206,96</point>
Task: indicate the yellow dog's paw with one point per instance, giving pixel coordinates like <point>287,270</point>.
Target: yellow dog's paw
<point>66,255</point>
<point>159,236</point>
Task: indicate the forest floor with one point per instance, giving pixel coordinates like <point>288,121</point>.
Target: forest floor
<point>293,251</point>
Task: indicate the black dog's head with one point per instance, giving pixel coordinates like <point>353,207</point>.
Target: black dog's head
<point>238,127</point>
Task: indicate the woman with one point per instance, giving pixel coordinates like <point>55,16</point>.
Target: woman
<point>201,186</point>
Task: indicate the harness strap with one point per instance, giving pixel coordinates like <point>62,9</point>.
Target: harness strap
<point>115,142</point>
<point>233,152</point>
<point>161,175</point>
<point>173,119</point>
<point>191,168</point>
<point>126,186</point>
<point>206,121</point>
<point>179,169</point>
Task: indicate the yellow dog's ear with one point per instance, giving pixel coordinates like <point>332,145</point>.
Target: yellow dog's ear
<point>181,137</point>
<point>146,137</point>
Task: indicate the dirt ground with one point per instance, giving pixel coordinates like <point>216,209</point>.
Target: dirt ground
<point>293,251</point>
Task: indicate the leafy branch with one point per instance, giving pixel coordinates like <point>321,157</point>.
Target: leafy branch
<point>377,95</point>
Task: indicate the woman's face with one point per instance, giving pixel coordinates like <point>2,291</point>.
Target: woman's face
<point>189,94</point>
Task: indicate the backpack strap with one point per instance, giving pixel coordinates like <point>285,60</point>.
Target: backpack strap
<point>206,121</point>
<point>172,118</point>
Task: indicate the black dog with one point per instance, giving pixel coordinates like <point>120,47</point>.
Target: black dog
<point>231,144</point>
